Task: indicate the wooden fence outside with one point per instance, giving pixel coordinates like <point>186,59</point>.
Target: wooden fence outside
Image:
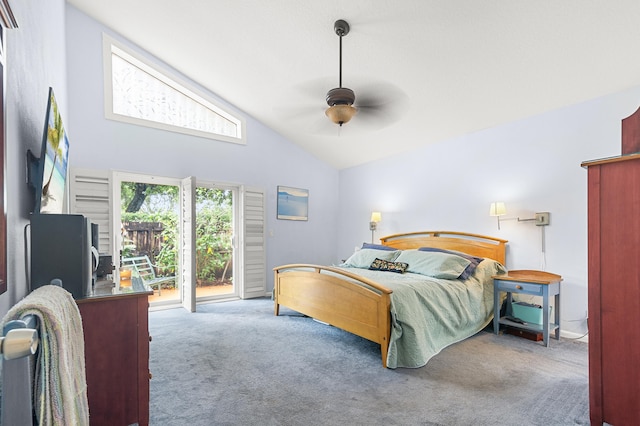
<point>146,237</point>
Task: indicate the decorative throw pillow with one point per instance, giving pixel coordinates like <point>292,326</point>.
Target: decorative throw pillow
<point>363,258</point>
<point>385,265</point>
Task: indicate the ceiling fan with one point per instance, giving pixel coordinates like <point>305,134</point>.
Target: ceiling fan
<point>379,107</point>
<point>341,99</point>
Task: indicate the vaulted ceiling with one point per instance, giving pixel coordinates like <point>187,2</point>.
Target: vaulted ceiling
<point>450,67</point>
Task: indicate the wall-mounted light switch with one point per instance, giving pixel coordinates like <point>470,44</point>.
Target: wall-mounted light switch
<point>542,219</point>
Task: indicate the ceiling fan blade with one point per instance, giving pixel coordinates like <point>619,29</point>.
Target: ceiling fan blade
<point>380,104</point>
<point>310,118</point>
<point>301,112</point>
<point>377,94</point>
<point>315,89</point>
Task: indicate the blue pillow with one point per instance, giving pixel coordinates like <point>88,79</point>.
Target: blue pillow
<point>377,247</point>
<point>469,270</point>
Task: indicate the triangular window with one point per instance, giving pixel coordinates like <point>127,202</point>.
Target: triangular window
<point>140,93</point>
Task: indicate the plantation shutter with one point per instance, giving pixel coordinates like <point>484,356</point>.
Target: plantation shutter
<point>254,265</point>
<point>188,243</point>
<point>89,192</point>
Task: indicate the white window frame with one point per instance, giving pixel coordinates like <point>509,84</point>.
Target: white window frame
<point>111,46</point>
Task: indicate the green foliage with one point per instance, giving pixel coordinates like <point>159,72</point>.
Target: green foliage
<point>141,197</point>
<point>214,228</point>
<point>213,244</point>
<point>128,247</point>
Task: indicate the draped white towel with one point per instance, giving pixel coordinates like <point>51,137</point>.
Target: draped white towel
<point>60,388</point>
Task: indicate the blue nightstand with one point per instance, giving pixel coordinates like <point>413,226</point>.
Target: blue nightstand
<point>536,283</point>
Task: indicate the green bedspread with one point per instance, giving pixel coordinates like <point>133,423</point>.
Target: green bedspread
<point>429,314</point>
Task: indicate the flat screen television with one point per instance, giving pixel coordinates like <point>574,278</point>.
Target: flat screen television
<point>48,174</point>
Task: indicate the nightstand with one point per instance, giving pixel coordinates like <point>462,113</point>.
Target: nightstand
<point>536,283</point>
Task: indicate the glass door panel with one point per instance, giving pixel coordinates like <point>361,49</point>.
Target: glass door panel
<point>150,238</point>
<point>215,224</point>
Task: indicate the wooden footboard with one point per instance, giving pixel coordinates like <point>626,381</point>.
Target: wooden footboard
<point>357,304</point>
<point>342,299</point>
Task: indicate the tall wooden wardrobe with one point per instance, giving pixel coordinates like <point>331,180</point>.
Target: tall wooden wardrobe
<point>614,282</point>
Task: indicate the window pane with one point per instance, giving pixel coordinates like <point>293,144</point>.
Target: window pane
<point>138,94</point>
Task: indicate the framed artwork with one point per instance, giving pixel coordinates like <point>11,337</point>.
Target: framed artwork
<point>293,203</point>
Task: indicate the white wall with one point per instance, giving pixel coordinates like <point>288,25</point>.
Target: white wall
<point>266,161</point>
<point>533,165</point>
<point>35,60</point>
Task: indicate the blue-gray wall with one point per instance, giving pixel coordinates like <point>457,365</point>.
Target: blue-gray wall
<point>36,59</point>
<point>266,161</point>
<point>533,165</point>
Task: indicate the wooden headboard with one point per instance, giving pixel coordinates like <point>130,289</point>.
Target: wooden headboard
<point>473,244</point>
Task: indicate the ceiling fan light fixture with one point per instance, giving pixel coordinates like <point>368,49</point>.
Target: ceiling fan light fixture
<point>341,99</point>
<point>341,114</point>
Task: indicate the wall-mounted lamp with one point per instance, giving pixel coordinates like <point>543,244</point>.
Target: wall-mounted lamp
<point>497,209</point>
<point>373,224</point>
<point>541,219</point>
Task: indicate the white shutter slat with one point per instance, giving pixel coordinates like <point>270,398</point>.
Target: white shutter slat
<point>89,193</point>
<point>254,250</point>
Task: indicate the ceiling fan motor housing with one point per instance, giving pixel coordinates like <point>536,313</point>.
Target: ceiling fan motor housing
<point>340,96</point>
<point>341,27</point>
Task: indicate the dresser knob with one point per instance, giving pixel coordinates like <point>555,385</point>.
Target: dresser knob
<point>519,287</point>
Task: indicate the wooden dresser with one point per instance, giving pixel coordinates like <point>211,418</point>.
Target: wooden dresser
<point>614,282</point>
<point>116,333</point>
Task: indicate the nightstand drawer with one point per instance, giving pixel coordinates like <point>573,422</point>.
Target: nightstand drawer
<point>520,287</point>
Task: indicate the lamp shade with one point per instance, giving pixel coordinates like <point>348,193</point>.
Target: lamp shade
<point>376,217</point>
<point>341,114</point>
<point>497,209</point>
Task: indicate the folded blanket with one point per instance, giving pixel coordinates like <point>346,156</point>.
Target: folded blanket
<point>60,388</point>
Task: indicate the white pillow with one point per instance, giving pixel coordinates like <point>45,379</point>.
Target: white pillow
<point>363,258</point>
<point>434,264</point>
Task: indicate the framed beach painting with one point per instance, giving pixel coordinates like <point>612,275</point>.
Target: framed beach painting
<point>293,203</point>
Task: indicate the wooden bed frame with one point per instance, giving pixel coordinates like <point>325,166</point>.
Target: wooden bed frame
<point>359,305</point>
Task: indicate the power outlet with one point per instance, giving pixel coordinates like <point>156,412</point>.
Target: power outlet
<point>542,219</point>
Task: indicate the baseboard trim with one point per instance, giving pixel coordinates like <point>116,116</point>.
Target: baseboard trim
<point>575,336</point>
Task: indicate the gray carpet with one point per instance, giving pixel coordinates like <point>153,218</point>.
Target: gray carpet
<point>235,363</point>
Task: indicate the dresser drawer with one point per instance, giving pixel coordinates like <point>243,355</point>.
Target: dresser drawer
<point>520,287</point>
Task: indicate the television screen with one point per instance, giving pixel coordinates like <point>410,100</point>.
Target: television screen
<point>51,183</point>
